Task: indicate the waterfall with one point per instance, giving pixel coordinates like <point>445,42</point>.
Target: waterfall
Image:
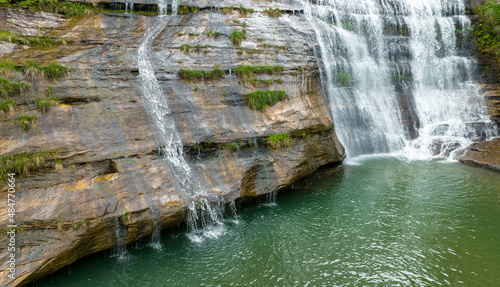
<point>397,78</point>
<point>205,210</point>
<point>120,249</point>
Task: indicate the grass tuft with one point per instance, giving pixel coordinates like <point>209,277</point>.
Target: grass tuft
<point>233,146</point>
<point>26,121</point>
<point>245,72</point>
<point>32,69</point>
<point>8,105</point>
<point>13,38</point>
<point>55,71</point>
<point>260,100</point>
<point>197,75</point>
<point>237,37</point>
<point>10,88</point>
<point>25,163</point>
<point>7,68</point>
<point>279,140</point>
<point>44,104</point>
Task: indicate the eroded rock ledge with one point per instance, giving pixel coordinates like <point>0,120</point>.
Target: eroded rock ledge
<point>107,143</point>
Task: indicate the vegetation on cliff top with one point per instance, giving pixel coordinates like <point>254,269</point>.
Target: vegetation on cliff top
<point>487,29</point>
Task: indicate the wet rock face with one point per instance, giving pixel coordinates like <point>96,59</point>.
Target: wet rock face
<point>113,173</point>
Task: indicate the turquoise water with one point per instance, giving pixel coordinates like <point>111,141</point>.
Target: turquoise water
<point>384,222</point>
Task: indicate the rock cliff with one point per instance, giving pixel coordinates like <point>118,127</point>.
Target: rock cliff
<point>108,170</point>
<point>486,154</point>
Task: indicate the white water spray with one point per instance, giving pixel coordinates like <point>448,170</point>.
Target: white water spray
<point>395,78</point>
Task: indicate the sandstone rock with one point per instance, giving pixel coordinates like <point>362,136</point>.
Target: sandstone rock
<point>484,154</point>
<point>108,143</point>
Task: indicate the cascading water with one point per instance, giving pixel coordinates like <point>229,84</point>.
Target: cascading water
<point>395,76</point>
<point>205,210</point>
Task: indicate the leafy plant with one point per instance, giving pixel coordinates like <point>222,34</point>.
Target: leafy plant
<point>237,37</point>
<point>487,28</point>
<point>233,146</point>
<point>260,100</point>
<point>279,140</point>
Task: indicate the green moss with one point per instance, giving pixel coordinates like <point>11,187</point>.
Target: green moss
<point>7,106</point>
<point>25,163</point>
<point>260,100</point>
<point>217,34</point>
<point>26,121</point>
<point>197,75</point>
<point>248,71</point>
<point>27,40</point>
<point>487,28</point>
<point>273,12</point>
<point>237,37</point>
<point>279,140</point>
<point>10,88</point>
